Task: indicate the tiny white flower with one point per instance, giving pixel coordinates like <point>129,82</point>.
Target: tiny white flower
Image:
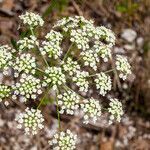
<point>103,33</point>
<point>32,19</point>
<point>27,87</point>
<point>115,109</point>
<point>5,58</point>
<point>31,120</point>
<point>81,81</point>
<point>91,109</point>
<point>90,58</point>
<point>123,66</point>
<point>5,91</point>
<point>28,43</point>
<point>70,66</point>
<point>52,45</point>
<point>102,50</point>
<point>24,63</point>
<point>64,141</point>
<point>103,83</point>
<point>69,102</point>
<point>54,77</point>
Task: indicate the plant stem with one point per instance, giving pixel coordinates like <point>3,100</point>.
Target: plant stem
<point>66,55</point>
<point>115,73</point>
<point>41,101</point>
<point>38,49</point>
<point>32,31</point>
<point>58,114</point>
<point>108,71</point>
<point>66,87</point>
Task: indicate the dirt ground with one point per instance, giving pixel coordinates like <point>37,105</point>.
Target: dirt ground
<point>133,133</point>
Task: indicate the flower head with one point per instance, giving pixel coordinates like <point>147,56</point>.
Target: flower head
<point>91,109</point>
<point>54,76</point>
<point>70,66</point>
<point>81,81</point>
<point>103,33</point>
<point>52,49</point>
<point>79,37</point>
<point>27,87</point>
<point>115,109</point>
<point>69,102</point>
<point>31,120</point>
<point>28,43</point>
<point>64,141</point>
<point>52,45</point>
<point>5,58</point>
<point>75,22</point>
<point>54,36</point>
<point>32,19</point>
<point>103,83</point>
<point>123,66</point>
<point>24,63</point>
<point>80,30</point>
<point>90,58</point>
<point>102,50</point>
<point>5,91</point>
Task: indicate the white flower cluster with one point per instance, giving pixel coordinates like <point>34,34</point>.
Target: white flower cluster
<point>25,63</point>
<point>81,81</point>
<point>105,34</point>
<point>115,109</point>
<point>54,36</point>
<point>91,109</point>
<point>31,120</point>
<point>70,23</point>
<point>91,44</point>
<point>27,87</point>
<point>103,50</point>
<point>32,19</point>
<point>79,37</point>
<point>64,141</point>
<point>69,102</point>
<point>54,77</point>
<point>123,66</point>
<point>80,29</point>
<point>52,45</point>
<point>5,58</point>
<point>28,43</point>
<point>5,91</point>
<point>70,66</point>
<point>90,58</point>
<point>103,83</point>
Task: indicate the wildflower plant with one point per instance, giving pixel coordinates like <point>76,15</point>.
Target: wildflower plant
<point>57,68</point>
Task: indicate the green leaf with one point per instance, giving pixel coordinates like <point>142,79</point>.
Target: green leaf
<point>14,43</point>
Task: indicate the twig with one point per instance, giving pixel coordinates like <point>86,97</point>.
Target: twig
<point>77,8</point>
<point>116,74</point>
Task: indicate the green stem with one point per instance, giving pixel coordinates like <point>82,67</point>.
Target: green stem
<point>66,55</point>
<point>42,100</point>
<point>108,71</point>
<point>38,49</point>
<point>58,114</point>
<point>32,31</point>
<point>68,88</point>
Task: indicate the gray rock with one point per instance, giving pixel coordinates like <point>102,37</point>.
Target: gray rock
<point>129,46</point>
<point>140,41</point>
<point>129,35</point>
